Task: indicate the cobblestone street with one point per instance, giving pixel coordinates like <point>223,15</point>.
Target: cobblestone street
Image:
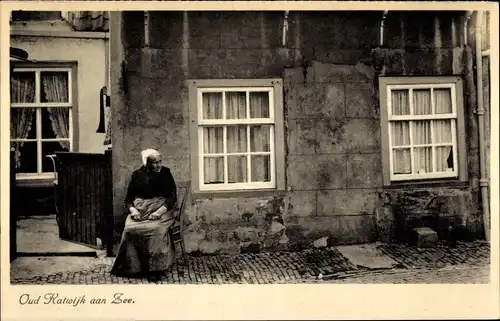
<point>463,263</point>
<point>467,274</point>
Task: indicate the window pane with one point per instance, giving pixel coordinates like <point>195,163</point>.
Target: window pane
<point>22,87</point>
<point>442,100</point>
<point>442,131</point>
<point>400,133</point>
<point>55,122</point>
<point>23,123</point>
<point>259,104</point>
<point>237,169</point>
<point>422,132</point>
<point>423,160</point>
<point>212,106</point>
<point>25,155</point>
<point>444,159</point>
<point>401,159</point>
<point>237,139</point>
<point>400,102</point>
<point>213,140</point>
<point>54,87</point>
<point>261,169</point>
<point>49,148</point>
<point>213,169</point>
<point>260,140</point>
<point>422,102</point>
<point>236,104</point>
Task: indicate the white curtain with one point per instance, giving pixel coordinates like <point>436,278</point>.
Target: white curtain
<point>212,106</point>
<point>259,105</point>
<point>421,132</point>
<point>55,89</point>
<point>22,90</point>
<point>442,130</point>
<point>401,156</point>
<point>400,103</point>
<point>236,138</point>
<point>260,138</point>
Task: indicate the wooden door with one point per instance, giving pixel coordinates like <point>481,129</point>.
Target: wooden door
<point>83,197</point>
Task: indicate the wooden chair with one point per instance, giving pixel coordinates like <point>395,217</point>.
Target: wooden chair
<point>183,192</point>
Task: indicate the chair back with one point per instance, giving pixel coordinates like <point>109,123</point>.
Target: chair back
<point>183,193</point>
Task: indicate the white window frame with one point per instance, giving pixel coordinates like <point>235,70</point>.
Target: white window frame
<point>386,86</point>
<point>40,175</point>
<point>274,121</point>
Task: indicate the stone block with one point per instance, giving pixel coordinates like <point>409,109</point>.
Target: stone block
<point>364,171</point>
<point>330,134</point>
<point>360,100</point>
<point>423,237</point>
<point>302,136</point>
<point>246,234</point>
<point>161,63</point>
<point>347,202</point>
<point>385,224</point>
<point>319,100</point>
<point>321,242</point>
<point>338,73</point>
<point>351,136</point>
<point>209,247</point>
<point>340,230</point>
<point>216,210</point>
<point>166,29</point>
<point>317,172</point>
<point>302,203</point>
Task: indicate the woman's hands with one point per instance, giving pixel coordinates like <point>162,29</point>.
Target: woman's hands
<point>155,216</point>
<point>134,214</point>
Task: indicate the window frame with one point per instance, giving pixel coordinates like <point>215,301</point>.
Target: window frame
<point>386,84</point>
<point>47,178</point>
<point>275,88</point>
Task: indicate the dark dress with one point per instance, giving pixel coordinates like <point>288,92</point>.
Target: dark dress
<point>146,245</point>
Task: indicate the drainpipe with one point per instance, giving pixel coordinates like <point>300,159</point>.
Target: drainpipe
<point>382,22</point>
<point>483,181</point>
<point>146,28</point>
<point>285,28</point>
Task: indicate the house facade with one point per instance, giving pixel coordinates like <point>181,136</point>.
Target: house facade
<point>294,127</point>
<point>56,95</point>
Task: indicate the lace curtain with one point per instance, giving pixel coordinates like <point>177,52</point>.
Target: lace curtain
<point>22,90</point>
<point>55,89</point>
<point>422,132</point>
<point>236,138</point>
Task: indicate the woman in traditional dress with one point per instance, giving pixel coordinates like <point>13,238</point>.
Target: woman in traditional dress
<point>146,248</point>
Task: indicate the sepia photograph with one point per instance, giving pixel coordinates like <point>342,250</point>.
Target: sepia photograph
<point>250,147</point>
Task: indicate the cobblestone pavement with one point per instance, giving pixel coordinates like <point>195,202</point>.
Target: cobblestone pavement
<point>475,274</point>
<point>421,266</point>
<point>463,253</point>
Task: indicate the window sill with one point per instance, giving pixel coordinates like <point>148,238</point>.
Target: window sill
<point>427,183</point>
<point>34,182</point>
<point>237,194</point>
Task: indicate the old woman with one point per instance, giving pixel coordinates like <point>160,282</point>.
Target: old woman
<point>146,248</point>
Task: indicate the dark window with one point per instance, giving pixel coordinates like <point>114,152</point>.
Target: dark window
<point>36,15</point>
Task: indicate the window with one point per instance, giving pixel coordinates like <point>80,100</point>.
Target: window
<point>41,118</point>
<point>36,15</point>
<point>423,128</point>
<point>238,130</point>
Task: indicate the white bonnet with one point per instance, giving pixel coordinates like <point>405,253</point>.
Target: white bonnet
<point>148,152</point>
